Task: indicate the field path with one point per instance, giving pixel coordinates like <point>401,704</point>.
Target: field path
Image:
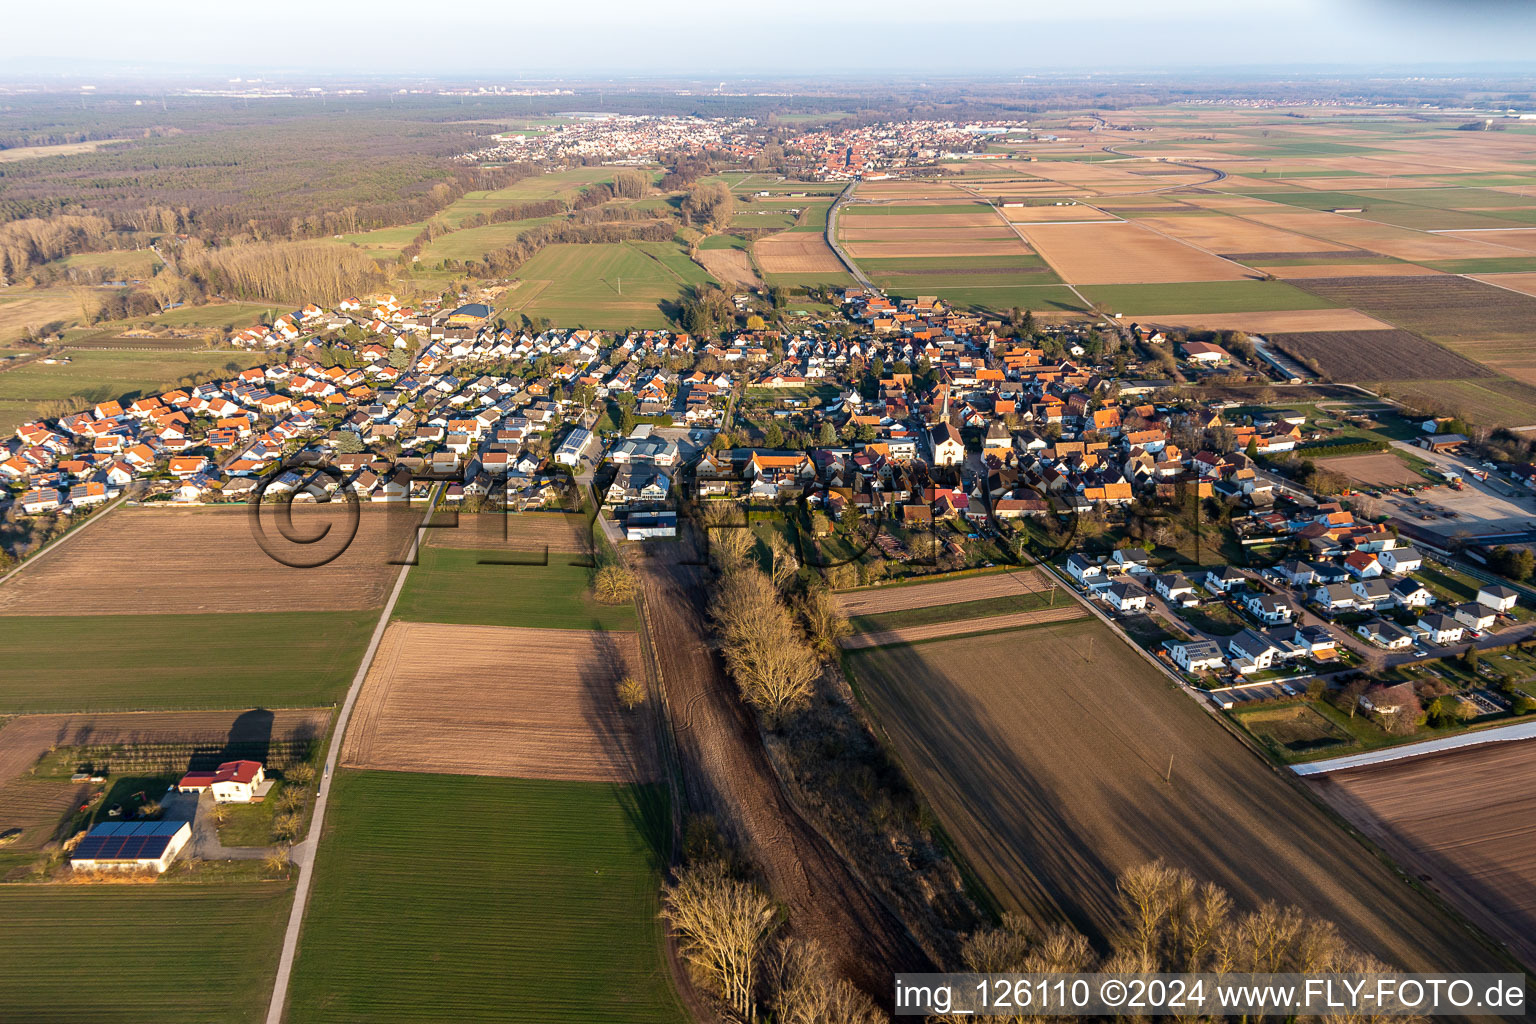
<point>934,630</point>
<point>303,853</point>
<point>726,773</point>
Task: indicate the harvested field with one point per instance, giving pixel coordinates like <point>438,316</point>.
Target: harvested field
<point>1019,712</point>
<point>1523,239</point>
<point>1320,271</point>
<point>1355,356</point>
<point>522,531</point>
<point>1293,320</point>
<point>151,560</point>
<point>1125,253</point>
<point>495,700</point>
<point>1224,234</point>
<point>971,216</point>
<point>1523,283</point>
<point>38,806</point>
<point>1403,243</point>
<point>936,248</point>
<point>1376,469</point>
<point>730,267</point>
<point>933,631</point>
<point>795,252</point>
<point>1463,822</point>
<point>1444,307</point>
<point>1050,214</point>
<point>878,600</point>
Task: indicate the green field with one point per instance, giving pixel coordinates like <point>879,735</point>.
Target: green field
<point>99,375</point>
<point>835,278</point>
<point>145,662</point>
<point>454,898</point>
<point>1203,297</point>
<point>474,243</point>
<point>453,585</point>
<point>166,953</point>
<point>127,262</point>
<point>609,286</point>
<point>1046,298</point>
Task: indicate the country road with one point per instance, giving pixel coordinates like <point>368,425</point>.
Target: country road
<point>853,268</point>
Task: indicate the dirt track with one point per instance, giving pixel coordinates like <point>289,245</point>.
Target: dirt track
<point>727,774</point>
<point>934,630</point>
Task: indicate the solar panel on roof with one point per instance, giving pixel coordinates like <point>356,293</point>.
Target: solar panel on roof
<point>127,840</point>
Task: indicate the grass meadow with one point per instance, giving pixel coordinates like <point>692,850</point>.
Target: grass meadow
<point>443,897</point>
<point>457,585</point>
<point>609,286</point>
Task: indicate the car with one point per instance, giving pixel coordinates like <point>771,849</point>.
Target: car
<point>1427,515</point>
<point>1421,654</point>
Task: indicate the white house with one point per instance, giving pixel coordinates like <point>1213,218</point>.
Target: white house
<point>1126,597</point>
<point>1372,593</point>
<point>1441,629</point>
<point>1195,655</point>
<point>1251,652</point>
<point>1410,593</point>
<point>1333,597</point>
<point>1400,560</point>
<point>1385,634</point>
<point>574,447</point>
<point>947,447</point>
<point>1269,609</point>
<point>1083,569</point>
<point>1176,589</point>
<point>234,782</point>
<point>1222,580</point>
<point>1131,560</point>
<point>1476,616</point>
<point>1499,598</point>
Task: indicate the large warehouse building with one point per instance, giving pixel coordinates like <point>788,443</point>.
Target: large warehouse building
<point>131,846</point>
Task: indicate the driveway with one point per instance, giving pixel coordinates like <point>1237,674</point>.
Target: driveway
<point>198,808</point>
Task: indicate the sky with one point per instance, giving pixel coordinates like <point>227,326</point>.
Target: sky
<point>504,39</point>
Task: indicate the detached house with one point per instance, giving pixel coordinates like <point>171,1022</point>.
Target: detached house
<point>1195,655</point>
<point>1270,609</point>
<point>1441,629</point>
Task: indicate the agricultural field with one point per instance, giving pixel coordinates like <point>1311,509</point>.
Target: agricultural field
<point>1154,300</point>
<point>493,700</point>
<point>1015,712</point>
<point>871,601</point>
<point>1379,469</point>
<point>96,375</point>
<point>1126,253</point>
<point>450,897</point>
<point>610,286</point>
<point>563,532</point>
<point>146,662</point>
<point>1266,322</point>
<point>209,951</point>
<point>472,586</point>
<point>801,253</point>
<point>1372,355</point>
<point>731,267</point>
<point>208,560</point>
<point>958,625</point>
<point>1461,822</point>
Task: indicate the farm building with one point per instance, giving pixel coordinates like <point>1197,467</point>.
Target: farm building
<point>1204,352</point>
<point>235,782</point>
<point>131,846</point>
<point>471,315</point>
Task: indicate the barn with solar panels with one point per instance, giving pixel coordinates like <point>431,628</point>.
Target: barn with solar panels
<point>131,846</point>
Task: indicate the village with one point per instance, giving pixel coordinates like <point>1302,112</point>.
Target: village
<point>903,437</point>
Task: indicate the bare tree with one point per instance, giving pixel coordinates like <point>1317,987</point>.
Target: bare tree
<point>825,623</point>
<point>723,925</point>
<point>803,988</point>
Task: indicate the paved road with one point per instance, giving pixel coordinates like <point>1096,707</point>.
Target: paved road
<point>853,268</point>
<point>303,855</point>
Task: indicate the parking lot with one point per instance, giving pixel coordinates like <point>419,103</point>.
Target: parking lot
<point>1478,509</point>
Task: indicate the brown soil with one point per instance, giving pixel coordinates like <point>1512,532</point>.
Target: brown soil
<point>493,700</point>
<point>731,267</point>
<point>158,560</point>
<point>934,630</point>
<point>796,252</point>
<point>878,600</point>
<point>1463,822</point>
<point>727,774</point>
<point>1117,253</point>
